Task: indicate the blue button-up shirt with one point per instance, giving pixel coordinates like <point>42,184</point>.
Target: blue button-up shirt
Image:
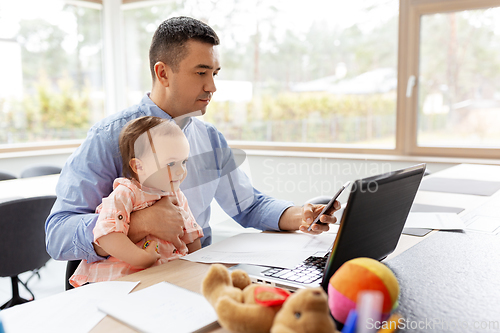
<point>88,175</point>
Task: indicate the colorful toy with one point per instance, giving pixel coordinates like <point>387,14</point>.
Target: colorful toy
<point>243,307</point>
<point>357,275</point>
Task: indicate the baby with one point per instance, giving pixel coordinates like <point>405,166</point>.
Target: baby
<point>154,153</point>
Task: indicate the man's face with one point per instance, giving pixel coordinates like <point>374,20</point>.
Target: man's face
<point>192,86</point>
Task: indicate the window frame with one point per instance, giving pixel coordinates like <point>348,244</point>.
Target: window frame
<point>410,12</point>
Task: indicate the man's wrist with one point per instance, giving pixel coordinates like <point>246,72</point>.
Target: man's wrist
<point>291,219</point>
<point>137,228</point>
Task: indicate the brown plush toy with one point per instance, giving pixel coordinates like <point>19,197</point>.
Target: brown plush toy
<point>243,307</point>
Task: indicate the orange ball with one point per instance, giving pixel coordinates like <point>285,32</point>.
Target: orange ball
<point>358,275</point>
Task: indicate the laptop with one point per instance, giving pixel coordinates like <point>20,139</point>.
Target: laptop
<point>371,226</point>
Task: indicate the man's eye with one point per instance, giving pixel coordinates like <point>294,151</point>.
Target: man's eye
<point>171,164</point>
<point>201,73</point>
<point>184,162</point>
<point>216,73</point>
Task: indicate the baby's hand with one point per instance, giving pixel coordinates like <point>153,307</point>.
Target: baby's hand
<point>151,248</point>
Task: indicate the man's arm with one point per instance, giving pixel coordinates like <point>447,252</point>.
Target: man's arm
<point>145,222</point>
<point>251,208</point>
<point>86,178</point>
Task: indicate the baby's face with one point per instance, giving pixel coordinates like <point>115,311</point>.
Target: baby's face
<point>172,153</point>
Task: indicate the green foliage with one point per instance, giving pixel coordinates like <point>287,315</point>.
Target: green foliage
<point>309,117</point>
<point>292,106</point>
<point>48,114</point>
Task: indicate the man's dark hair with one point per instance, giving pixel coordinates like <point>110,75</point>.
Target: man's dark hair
<point>169,41</point>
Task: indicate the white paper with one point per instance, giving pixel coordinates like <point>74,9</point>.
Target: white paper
<point>163,307</point>
<point>280,249</point>
<point>442,221</point>
<point>70,311</point>
<point>485,224</point>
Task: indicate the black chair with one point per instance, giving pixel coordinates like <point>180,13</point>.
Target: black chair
<point>40,170</point>
<point>22,240</point>
<point>71,267</point>
<point>6,176</point>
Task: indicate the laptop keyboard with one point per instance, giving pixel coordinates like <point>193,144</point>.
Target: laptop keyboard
<point>309,271</point>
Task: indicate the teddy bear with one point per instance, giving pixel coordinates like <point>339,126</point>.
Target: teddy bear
<point>246,307</point>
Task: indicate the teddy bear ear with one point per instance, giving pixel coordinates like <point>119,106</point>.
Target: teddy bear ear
<point>270,296</point>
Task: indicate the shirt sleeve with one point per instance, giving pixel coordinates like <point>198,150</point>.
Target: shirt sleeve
<point>237,196</point>
<point>85,179</point>
<point>114,213</point>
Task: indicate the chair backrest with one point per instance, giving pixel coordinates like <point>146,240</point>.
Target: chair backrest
<point>40,170</point>
<point>22,234</point>
<point>6,176</point>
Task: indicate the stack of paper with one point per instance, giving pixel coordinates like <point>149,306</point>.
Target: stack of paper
<point>278,249</point>
<point>71,311</point>
<point>163,307</point>
<point>442,221</point>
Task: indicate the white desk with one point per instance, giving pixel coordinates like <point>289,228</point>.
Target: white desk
<point>189,275</point>
<point>28,187</point>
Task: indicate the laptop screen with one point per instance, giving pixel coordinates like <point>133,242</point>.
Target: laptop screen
<point>374,217</point>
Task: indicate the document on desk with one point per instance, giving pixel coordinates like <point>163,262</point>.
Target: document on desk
<point>70,311</point>
<point>460,186</point>
<point>442,221</point>
<point>276,249</point>
<point>163,307</point>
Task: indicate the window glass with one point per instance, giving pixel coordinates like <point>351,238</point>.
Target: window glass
<point>322,74</point>
<point>51,85</point>
<point>459,83</point>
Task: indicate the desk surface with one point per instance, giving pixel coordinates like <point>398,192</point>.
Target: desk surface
<point>28,187</point>
<point>189,275</point>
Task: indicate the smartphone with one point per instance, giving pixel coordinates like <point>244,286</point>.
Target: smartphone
<point>329,207</point>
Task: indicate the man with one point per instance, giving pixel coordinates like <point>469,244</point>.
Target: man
<point>183,62</point>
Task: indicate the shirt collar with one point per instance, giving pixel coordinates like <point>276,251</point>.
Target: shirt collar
<point>155,111</point>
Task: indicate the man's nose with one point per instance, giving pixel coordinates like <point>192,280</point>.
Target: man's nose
<point>210,85</point>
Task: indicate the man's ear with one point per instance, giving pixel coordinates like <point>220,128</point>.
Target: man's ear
<point>161,72</point>
<point>136,165</point>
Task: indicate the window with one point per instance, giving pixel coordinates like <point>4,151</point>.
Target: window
<point>406,77</point>
<point>451,54</point>
<point>51,83</point>
<point>322,74</point>
<point>459,81</point>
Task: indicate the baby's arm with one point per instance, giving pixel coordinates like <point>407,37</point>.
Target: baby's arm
<point>121,247</point>
<point>194,246</point>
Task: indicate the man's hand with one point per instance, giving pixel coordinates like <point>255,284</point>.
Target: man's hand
<point>310,212</point>
<point>164,220</point>
<point>299,218</point>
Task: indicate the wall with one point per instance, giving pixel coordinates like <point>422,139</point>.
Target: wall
<point>294,178</point>
<point>15,163</point>
<point>298,179</point>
